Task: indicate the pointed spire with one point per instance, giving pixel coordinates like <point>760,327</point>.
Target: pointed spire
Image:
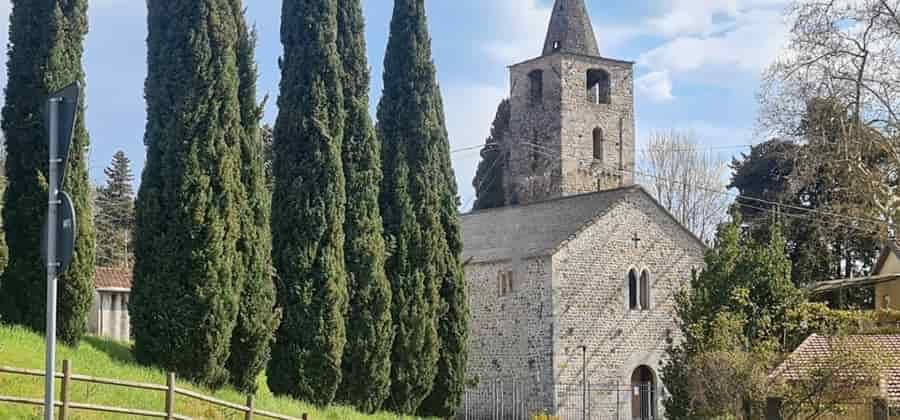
<point>570,29</point>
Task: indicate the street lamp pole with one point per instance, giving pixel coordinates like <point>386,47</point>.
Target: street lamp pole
<point>584,383</point>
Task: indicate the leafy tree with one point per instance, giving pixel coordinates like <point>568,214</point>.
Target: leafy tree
<point>46,48</point>
<point>418,204</point>
<point>746,290</point>
<point>489,183</point>
<point>187,276</point>
<point>257,320</point>
<point>831,230</point>
<point>370,334</point>
<point>308,208</point>
<point>115,214</point>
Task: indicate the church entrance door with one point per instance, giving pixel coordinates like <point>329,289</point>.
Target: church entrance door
<point>643,388</point>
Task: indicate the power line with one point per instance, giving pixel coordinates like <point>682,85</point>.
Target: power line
<point>684,150</point>
<point>738,197</point>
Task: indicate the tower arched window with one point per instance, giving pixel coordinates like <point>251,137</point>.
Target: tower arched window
<point>536,82</point>
<point>633,292</point>
<point>598,86</point>
<point>645,290</point>
<point>598,143</point>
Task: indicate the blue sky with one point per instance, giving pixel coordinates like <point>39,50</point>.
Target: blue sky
<point>698,64</point>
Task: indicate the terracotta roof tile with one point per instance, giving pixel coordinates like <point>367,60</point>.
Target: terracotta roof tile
<point>817,348</point>
<point>112,278</point>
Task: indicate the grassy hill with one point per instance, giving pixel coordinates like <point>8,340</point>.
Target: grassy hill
<point>96,357</point>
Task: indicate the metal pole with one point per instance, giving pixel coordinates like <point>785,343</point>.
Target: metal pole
<point>584,383</point>
<point>52,210</point>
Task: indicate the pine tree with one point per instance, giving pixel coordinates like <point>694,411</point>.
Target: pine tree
<point>252,337</point>
<point>187,278</point>
<point>115,214</point>
<point>308,206</point>
<point>418,203</point>
<point>46,47</point>
<point>488,182</point>
<point>367,357</point>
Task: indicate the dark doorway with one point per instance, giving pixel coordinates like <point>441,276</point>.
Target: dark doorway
<point>643,388</point>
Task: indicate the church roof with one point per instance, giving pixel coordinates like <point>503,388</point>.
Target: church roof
<point>571,30</point>
<point>538,228</point>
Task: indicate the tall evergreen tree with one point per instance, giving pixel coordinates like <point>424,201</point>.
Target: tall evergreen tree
<point>4,255</point>
<point>418,201</point>
<point>187,277</point>
<point>367,357</point>
<point>257,319</point>
<point>114,218</point>
<point>488,182</point>
<point>308,206</point>
<point>46,47</point>
<point>453,322</point>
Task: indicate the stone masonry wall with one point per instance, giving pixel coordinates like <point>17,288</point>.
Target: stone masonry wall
<point>591,279</point>
<point>510,336</point>
<point>533,147</point>
<point>581,172</point>
<point>550,143</point>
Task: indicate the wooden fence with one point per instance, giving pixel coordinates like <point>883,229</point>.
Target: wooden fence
<point>169,390</point>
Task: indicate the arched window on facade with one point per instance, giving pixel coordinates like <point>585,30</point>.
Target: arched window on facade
<point>645,290</point>
<point>644,395</point>
<point>536,81</point>
<point>598,143</point>
<point>598,86</point>
<point>633,291</point>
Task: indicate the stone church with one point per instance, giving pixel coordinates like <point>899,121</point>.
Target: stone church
<point>575,279</point>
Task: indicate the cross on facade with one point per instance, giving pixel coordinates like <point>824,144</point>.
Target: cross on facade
<point>637,241</point>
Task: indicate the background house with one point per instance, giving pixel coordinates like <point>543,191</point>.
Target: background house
<point>109,310</point>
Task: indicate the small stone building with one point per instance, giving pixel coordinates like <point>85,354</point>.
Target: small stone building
<point>109,309</point>
<point>572,285</point>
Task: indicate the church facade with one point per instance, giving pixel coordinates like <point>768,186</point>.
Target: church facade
<point>573,282</point>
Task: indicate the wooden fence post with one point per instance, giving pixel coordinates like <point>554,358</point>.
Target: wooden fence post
<point>64,390</point>
<point>170,396</point>
<point>250,407</point>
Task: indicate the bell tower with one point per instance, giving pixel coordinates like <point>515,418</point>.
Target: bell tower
<point>572,125</point>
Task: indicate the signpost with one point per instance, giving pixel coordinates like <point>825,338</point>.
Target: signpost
<point>61,113</point>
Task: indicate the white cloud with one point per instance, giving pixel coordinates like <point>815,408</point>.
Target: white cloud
<point>747,43</point>
<point>656,86</point>
<point>521,27</point>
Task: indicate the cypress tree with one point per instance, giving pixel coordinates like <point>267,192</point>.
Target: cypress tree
<point>489,182</point>
<point>418,204</point>
<point>367,357</point>
<point>3,251</point>
<point>308,206</point>
<point>4,255</point>
<point>252,337</point>
<point>115,214</point>
<point>453,322</point>
<point>46,47</point>
<point>187,279</point>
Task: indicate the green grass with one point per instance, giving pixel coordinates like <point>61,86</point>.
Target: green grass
<point>21,348</point>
